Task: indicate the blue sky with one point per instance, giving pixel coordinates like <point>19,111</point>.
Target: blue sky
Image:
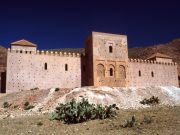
<point>66,24</point>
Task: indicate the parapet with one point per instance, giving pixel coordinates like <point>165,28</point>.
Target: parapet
<point>151,62</point>
<point>42,52</point>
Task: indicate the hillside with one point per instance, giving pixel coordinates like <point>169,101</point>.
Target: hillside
<point>172,49</point>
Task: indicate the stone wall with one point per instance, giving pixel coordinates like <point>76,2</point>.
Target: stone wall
<point>110,57</point>
<point>152,73</point>
<point>27,48</point>
<point>43,70</point>
<point>164,60</point>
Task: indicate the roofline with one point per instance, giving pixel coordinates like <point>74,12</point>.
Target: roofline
<point>24,45</point>
<point>110,34</point>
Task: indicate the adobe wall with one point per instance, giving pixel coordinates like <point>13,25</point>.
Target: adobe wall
<point>27,48</point>
<point>27,71</point>
<point>164,60</point>
<point>104,60</point>
<point>165,74</point>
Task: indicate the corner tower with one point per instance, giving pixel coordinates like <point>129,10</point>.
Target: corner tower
<point>107,59</point>
<point>24,45</point>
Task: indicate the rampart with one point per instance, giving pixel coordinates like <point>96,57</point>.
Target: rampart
<point>42,69</point>
<point>152,73</point>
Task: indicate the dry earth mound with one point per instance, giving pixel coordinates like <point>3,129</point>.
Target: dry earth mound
<point>124,97</point>
<point>45,101</point>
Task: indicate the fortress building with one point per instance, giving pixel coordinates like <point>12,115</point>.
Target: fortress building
<point>105,62</point>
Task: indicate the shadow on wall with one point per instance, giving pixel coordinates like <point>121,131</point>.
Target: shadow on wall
<point>179,80</point>
<point>3,82</point>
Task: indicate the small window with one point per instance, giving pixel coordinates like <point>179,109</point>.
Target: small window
<point>21,51</point>
<point>66,67</point>
<point>152,74</point>
<point>110,49</point>
<point>139,73</point>
<point>30,52</point>
<point>45,66</point>
<point>26,52</point>
<point>111,72</point>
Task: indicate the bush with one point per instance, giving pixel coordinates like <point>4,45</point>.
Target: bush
<point>27,106</point>
<point>129,123</point>
<point>151,101</point>
<point>147,119</point>
<point>132,122</point>
<point>16,106</point>
<point>76,112</point>
<point>36,88</point>
<point>26,103</point>
<point>6,105</point>
<point>39,123</point>
<point>57,89</point>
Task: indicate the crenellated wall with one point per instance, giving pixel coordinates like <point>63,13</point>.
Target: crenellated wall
<point>27,70</point>
<point>152,73</point>
<point>105,63</point>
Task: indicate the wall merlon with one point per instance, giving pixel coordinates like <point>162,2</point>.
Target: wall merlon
<point>42,52</point>
<point>152,62</point>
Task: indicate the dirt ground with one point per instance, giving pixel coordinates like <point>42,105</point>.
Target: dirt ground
<point>164,121</point>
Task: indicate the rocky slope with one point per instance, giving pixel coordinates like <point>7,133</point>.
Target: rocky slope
<point>45,101</point>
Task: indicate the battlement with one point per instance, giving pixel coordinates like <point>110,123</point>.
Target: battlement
<point>151,62</point>
<point>42,52</point>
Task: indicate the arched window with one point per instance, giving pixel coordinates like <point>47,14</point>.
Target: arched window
<point>139,73</point>
<point>122,72</point>
<point>152,74</point>
<point>100,70</point>
<point>110,49</point>
<point>45,66</point>
<point>20,51</point>
<point>66,67</point>
<point>111,72</point>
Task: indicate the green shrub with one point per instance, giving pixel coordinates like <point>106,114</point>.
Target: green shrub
<point>39,123</point>
<point>151,101</point>
<point>6,105</point>
<point>16,106</point>
<point>26,103</point>
<point>76,112</point>
<point>36,88</point>
<point>57,89</point>
<point>147,119</point>
<point>132,122</point>
<point>27,106</point>
<point>129,123</point>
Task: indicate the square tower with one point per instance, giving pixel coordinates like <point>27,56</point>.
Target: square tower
<point>107,59</point>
